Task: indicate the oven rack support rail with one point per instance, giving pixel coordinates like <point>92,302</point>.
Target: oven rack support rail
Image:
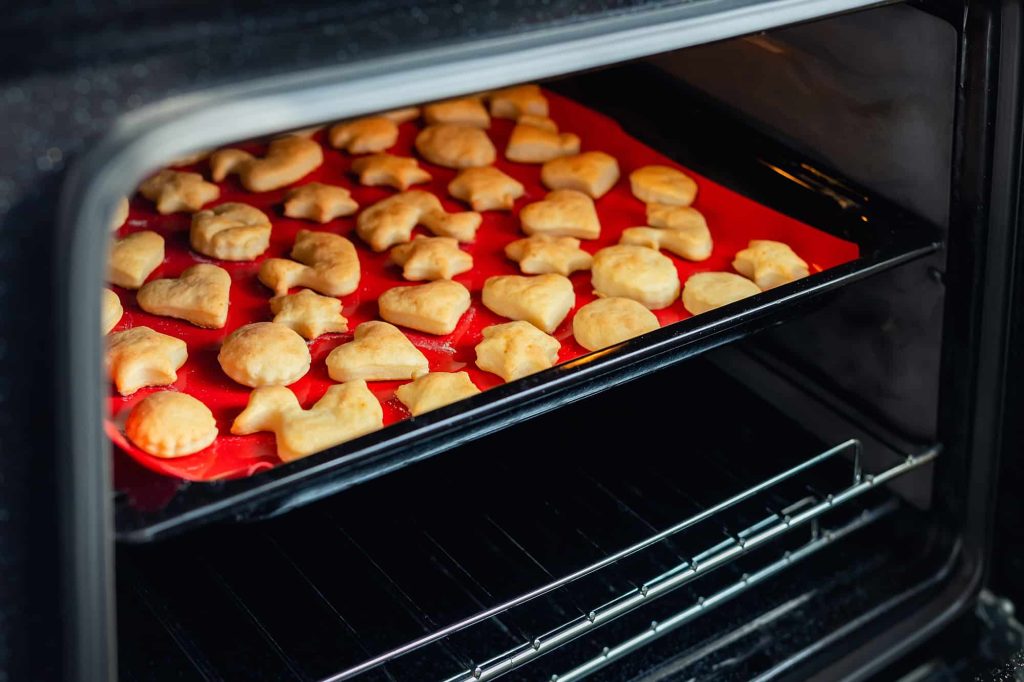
<point>807,509</point>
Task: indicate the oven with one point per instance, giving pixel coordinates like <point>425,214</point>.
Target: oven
<point>813,482</point>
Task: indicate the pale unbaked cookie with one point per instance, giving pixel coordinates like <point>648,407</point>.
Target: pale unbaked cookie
<point>319,202</point>
<point>434,308</point>
<point>169,424</point>
<point>466,111</point>
<point>486,189</point>
<point>141,357</point>
<point>516,349</point>
<point>541,300</point>
<point>635,272</point>
<point>706,291</point>
<point>378,352</point>
<point>663,185</point>
<point>518,101</point>
<point>593,173</point>
<point>608,321</point>
<point>537,140</point>
<point>134,258</point>
<point>543,253</point>
<point>264,354</point>
<point>199,295</point>
<point>364,135</point>
<point>455,146</point>
<point>391,221</point>
<point>232,231</point>
<point>770,264</point>
<point>562,213</point>
<point>435,390</point>
<point>175,191</point>
<point>676,217</point>
<point>321,261</point>
<point>288,159</point>
<point>120,213</point>
<point>309,314</point>
<point>344,412</point>
<point>110,311</point>
<point>430,258</point>
<point>400,172</point>
<point>692,244</point>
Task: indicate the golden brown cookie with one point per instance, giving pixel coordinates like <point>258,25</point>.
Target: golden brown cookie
<point>537,140</point>
<point>176,192</point>
<point>430,258</point>
<point>134,258</point>
<point>319,202</point>
<point>232,231</point>
<point>770,264</point>
<point>486,189</point>
<point>676,218</point>
<point>391,221</point>
<point>692,244</point>
<point>321,261</point>
<point>455,146</point>
<point>518,101</point>
<point>635,272</point>
<point>562,213</point>
<point>544,253</point>
<point>435,390</point>
<point>378,352</point>
<point>110,311</point>
<point>309,314</point>
<point>465,111</point>
<point>663,185</point>
<point>516,349</point>
<point>706,291</point>
<point>402,115</point>
<point>345,412</point>
<point>140,357</point>
<point>199,295</point>
<point>264,354</point>
<point>169,424</point>
<point>541,300</point>
<point>434,308</point>
<point>364,135</point>
<point>288,159</point>
<point>120,213</point>
<point>609,321</point>
<point>400,172</point>
<point>593,173</point>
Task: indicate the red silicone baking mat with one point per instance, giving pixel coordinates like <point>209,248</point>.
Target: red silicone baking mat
<point>733,219</point>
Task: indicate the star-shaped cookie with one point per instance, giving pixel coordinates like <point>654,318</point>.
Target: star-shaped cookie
<point>141,357</point>
<point>400,172</point>
<point>176,192</point>
<point>309,314</point>
<point>431,258</point>
<point>486,189</point>
<point>544,253</point>
<point>319,202</point>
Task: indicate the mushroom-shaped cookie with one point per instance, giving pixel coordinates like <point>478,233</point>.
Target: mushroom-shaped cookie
<point>593,173</point>
<point>264,354</point>
<point>435,390</point>
<point>635,272</point>
<point>141,357</point>
<point>516,349</point>
<point>134,258</point>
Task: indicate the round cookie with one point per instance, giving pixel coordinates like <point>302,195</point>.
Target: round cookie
<point>635,272</point>
<point>454,146</point>
<point>608,321</point>
<point>169,424</point>
<point>264,354</point>
<point>709,290</point>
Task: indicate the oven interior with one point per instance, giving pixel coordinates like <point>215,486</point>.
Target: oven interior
<point>743,513</point>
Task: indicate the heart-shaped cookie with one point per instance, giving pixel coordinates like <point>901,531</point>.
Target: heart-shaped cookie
<point>199,295</point>
<point>378,352</point>
<point>562,213</point>
<point>542,300</point>
<point>593,173</point>
<point>434,308</point>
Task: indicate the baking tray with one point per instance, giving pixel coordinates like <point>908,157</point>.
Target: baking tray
<point>725,152</point>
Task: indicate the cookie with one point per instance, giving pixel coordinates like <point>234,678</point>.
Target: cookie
<point>541,300</point>
<point>514,350</point>
<point>402,115</point>
<point>400,172</point>
<point>518,101</point>
<point>537,140</point>
<point>391,221</point>
<point>770,264</point>
<point>455,146</point>
<point>120,213</point>
<point>692,244</point>
<point>435,390</point>
<point>264,354</point>
<point>635,272</point>
<point>543,253</point>
<point>676,218</point>
<point>593,173</point>
<point>378,352</point>
<point>706,291</point>
<point>320,261</point>
<point>430,258</point>
<point>169,424</point>
<point>288,159</point>
<point>610,321</point>
<point>308,314</point>
<point>177,192</point>
<point>319,202</point>
<point>486,189</point>
<point>434,308</point>
<point>199,295</point>
<point>663,185</point>
<point>562,213</point>
<point>465,111</point>
<point>134,258</point>
<point>110,310</point>
<point>232,231</point>
<point>345,412</point>
<point>140,357</point>
<point>364,135</point>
